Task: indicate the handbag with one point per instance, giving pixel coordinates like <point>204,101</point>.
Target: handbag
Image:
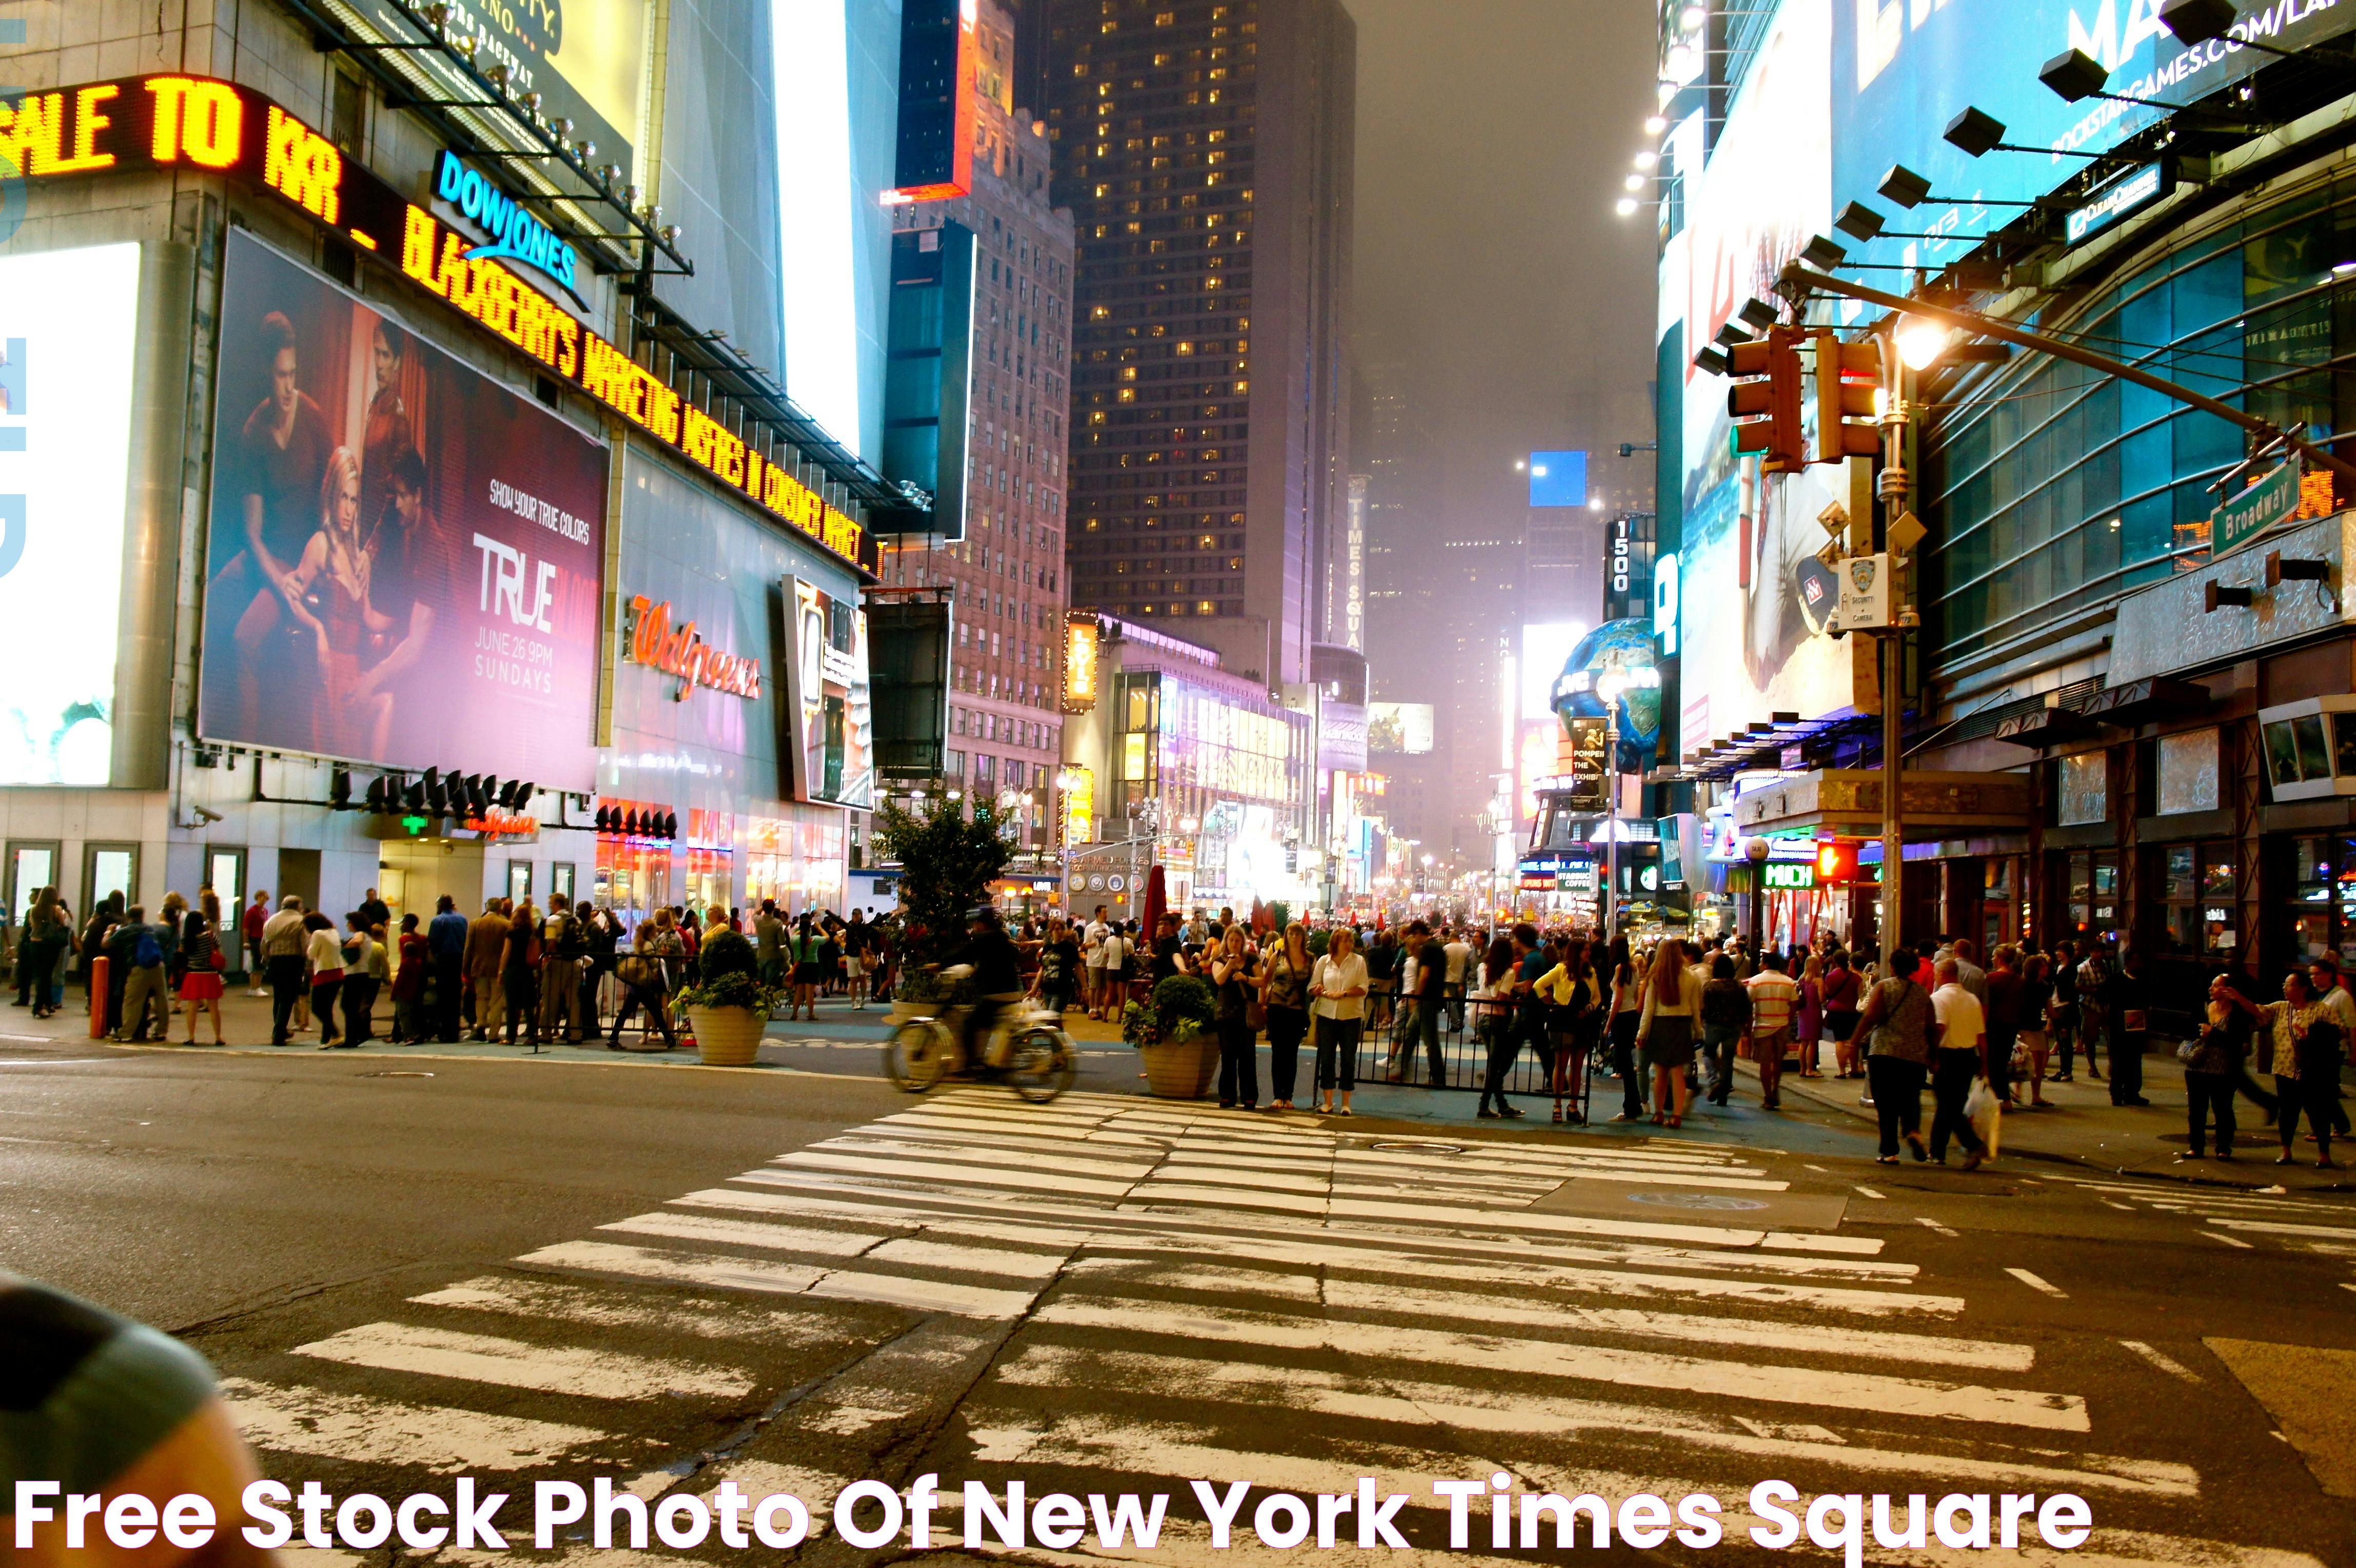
<point>1255,1015</point>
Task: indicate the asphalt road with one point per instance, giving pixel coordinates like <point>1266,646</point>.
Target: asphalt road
<point>522,1272</point>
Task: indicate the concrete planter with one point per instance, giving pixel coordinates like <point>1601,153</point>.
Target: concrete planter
<point>1185,1070</point>
<point>727,1036</point>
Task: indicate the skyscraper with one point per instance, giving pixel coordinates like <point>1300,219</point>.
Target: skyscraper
<point>1204,149</point>
<point>1007,574</point>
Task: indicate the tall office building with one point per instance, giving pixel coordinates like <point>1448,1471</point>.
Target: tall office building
<point>1007,574</point>
<point>1206,149</point>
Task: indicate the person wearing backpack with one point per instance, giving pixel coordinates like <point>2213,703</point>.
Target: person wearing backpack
<point>144,988</point>
<point>562,946</point>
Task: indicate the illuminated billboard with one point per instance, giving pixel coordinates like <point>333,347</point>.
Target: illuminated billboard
<point>1545,649</point>
<point>1557,479</point>
<point>1902,72</point>
<point>1083,661</point>
<point>1398,729</point>
<point>830,711</point>
<point>405,564</point>
<point>69,329</point>
<point>940,56</point>
<point>1745,647</point>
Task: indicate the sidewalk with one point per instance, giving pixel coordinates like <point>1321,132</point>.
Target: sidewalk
<point>2085,1128</point>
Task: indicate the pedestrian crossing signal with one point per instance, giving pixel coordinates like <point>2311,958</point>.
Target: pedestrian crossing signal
<point>1835,862</point>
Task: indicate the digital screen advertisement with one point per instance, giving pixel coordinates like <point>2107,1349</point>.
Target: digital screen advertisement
<point>405,561</point>
<point>829,706</point>
<point>69,328</point>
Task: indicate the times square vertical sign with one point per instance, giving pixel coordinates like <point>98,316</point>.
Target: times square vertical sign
<point>171,121</point>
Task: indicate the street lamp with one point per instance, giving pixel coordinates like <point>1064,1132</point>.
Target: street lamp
<point>1757,851</point>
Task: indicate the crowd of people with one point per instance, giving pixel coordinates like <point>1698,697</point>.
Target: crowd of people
<point>518,973</point>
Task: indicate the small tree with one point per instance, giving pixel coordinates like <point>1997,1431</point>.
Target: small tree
<point>947,862</point>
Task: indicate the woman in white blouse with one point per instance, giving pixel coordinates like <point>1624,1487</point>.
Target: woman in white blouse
<point>1665,1035</point>
<point>1337,990</point>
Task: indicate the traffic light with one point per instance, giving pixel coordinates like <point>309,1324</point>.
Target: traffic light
<point>1847,376</point>
<point>1835,862</point>
<point>1765,400</point>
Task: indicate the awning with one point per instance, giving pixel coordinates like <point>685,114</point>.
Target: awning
<point>2140,702</point>
<point>1846,802</point>
<point>2047,727</point>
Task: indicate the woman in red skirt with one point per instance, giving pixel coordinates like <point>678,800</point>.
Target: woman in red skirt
<point>200,986</point>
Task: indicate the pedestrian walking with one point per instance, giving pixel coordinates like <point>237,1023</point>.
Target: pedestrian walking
<point>1665,1032</point>
<point>562,947</point>
<point>1234,976</point>
<point>2036,1004</point>
<point>2061,1010</point>
<point>519,975</point>
<point>42,946</point>
<point>1895,1027</point>
<point>446,949</point>
<point>2212,1061</point>
<point>325,955</point>
<point>1429,1002</point>
<point>2307,1050</point>
<point>1775,1000</point>
<point>486,944</point>
<point>285,940</point>
<point>2092,989</point>
<point>2127,1004</point>
<point>362,954</point>
<point>1567,991</point>
<point>2331,994</point>
<point>250,926</point>
<point>1962,1025</point>
<point>805,956</point>
<point>656,950</point>
<point>1525,1019</point>
<point>409,985</point>
<point>137,950</point>
<point>200,984</point>
<point>1725,1023</point>
<point>1627,1006</point>
<point>1285,970</point>
<point>1808,1020</point>
<point>769,944</point>
<point>2003,1004</point>
<point>1337,987</point>
<point>1843,994</point>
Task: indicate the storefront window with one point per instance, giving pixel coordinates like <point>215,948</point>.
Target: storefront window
<point>2093,884</point>
<point>2196,888</point>
<point>796,861</point>
<point>2188,772</point>
<point>2085,788</point>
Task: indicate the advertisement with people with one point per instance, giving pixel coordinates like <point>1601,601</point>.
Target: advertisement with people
<point>829,703</point>
<point>405,560</point>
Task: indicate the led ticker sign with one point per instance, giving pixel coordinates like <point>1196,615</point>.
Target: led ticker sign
<point>139,124</point>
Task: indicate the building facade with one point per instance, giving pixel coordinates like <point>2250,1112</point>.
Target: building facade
<point>409,549</point>
<point>1007,576</point>
<point>1205,150</point>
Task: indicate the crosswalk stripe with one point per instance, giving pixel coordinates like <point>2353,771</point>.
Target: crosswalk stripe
<point>871,1198</point>
<point>1592,1363</point>
<point>512,1363</point>
<point>1750,1333</point>
<point>2278,1228</point>
<point>362,1430</point>
<point>724,1273</point>
<point>1406,1403</point>
<point>553,1300</point>
<point>1002,1155</point>
<point>750,1233</point>
<point>985,1176</point>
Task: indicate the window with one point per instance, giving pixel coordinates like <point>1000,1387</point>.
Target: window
<point>2196,896</point>
<point>2093,883</point>
<point>2085,795</point>
<point>2188,772</point>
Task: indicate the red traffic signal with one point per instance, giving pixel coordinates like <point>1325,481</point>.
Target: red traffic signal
<point>1835,862</point>
<point>1765,400</point>
<point>1847,376</point>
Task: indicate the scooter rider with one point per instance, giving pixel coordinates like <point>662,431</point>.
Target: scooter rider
<point>991,957</point>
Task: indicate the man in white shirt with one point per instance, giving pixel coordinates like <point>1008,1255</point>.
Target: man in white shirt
<point>1460,955</point>
<point>1092,938</point>
<point>1963,1036</point>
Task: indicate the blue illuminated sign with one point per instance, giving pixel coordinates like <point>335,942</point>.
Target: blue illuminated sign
<point>1902,72</point>
<point>516,234</point>
<point>1557,479</point>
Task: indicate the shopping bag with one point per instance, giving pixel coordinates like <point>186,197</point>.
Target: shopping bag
<point>1985,1111</point>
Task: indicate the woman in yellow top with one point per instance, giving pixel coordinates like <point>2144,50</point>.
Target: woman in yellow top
<point>1665,1035</point>
<point>1567,992</point>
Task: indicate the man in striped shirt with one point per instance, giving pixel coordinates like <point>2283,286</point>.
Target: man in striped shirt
<point>1773,997</point>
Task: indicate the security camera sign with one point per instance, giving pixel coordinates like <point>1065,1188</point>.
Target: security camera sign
<point>1865,597</point>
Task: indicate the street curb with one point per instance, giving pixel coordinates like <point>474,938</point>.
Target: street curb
<point>357,1052</point>
<point>1790,1086</point>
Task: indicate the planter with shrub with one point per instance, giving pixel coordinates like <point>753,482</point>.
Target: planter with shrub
<point>1175,1032</point>
<point>728,1006</point>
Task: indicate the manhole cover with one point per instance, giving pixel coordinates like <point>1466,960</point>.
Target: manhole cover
<point>394,1072</point>
<point>1720,1202</point>
<point>1398,1147</point>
